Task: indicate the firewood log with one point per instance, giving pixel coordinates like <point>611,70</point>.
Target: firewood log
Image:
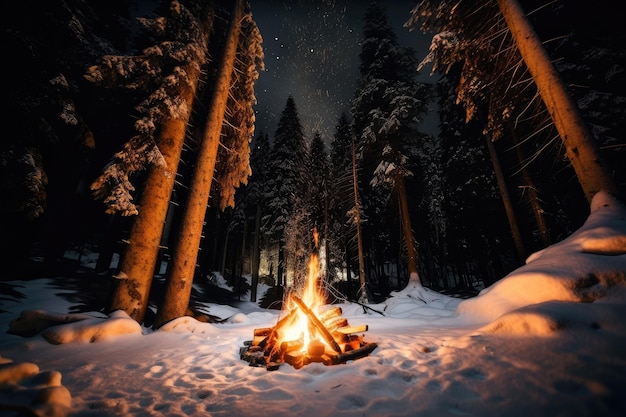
<point>269,341</point>
<point>318,325</point>
<point>354,354</point>
<point>330,313</point>
<point>353,329</point>
<point>335,323</point>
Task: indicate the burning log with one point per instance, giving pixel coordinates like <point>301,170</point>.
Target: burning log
<point>338,343</point>
<point>318,325</point>
<point>284,322</point>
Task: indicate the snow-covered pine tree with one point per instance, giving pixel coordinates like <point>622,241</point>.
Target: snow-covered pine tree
<point>497,45</point>
<point>173,65</point>
<point>386,110</point>
<point>341,200</point>
<point>183,267</point>
<point>233,163</point>
<point>470,216</point>
<point>288,157</point>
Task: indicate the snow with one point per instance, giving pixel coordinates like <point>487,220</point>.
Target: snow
<point>548,339</point>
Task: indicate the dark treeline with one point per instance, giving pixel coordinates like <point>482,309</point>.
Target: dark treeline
<point>433,207</point>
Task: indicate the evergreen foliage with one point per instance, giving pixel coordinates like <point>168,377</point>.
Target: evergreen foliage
<point>341,199</point>
<point>234,154</point>
<point>387,108</point>
<point>91,92</point>
<point>287,159</point>
<point>287,181</point>
<point>159,72</point>
<point>317,188</point>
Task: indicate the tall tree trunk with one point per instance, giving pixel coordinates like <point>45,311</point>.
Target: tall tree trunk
<point>280,267</point>
<point>533,197</point>
<point>225,252</point>
<point>326,236</point>
<point>347,259</point>
<point>363,297</point>
<point>407,230</point>
<point>254,262</point>
<point>180,279</point>
<point>137,266</point>
<point>581,148</point>
<point>506,200</point>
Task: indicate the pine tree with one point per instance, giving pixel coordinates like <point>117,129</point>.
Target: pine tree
<point>182,272</point>
<point>233,163</point>
<point>174,65</point>
<point>470,212</point>
<point>289,152</point>
<point>502,57</point>
<point>341,201</point>
<point>387,108</point>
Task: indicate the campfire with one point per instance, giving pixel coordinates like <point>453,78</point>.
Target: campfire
<point>307,331</point>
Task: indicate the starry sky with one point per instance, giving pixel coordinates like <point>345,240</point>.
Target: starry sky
<point>312,51</point>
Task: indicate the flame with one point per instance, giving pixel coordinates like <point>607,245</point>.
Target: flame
<point>311,296</point>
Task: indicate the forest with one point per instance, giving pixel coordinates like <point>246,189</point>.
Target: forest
<point>133,136</point>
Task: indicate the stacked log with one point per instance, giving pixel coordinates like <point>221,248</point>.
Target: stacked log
<point>333,341</point>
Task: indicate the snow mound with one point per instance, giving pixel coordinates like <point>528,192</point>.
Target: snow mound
<point>581,268</point>
<point>32,322</point>
<point>93,329</point>
<point>27,391</point>
<point>188,324</point>
<point>416,300</point>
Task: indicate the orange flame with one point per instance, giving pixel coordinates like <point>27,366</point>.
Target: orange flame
<point>311,296</point>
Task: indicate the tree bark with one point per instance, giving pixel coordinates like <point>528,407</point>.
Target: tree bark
<point>254,262</point>
<point>407,230</point>
<point>139,260</point>
<point>506,200</point>
<point>581,148</point>
<point>533,196</point>
<point>363,297</point>
<point>180,280</point>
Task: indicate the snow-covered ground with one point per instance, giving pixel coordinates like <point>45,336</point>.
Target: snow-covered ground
<point>549,339</point>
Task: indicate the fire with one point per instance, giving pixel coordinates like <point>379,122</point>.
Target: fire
<point>305,334</point>
<point>312,297</point>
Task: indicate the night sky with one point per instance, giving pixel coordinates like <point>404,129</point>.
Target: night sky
<point>312,53</point>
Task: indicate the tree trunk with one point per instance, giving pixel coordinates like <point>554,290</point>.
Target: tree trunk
<point>325,273</point>
<point>225,252</point>
<point>407,230</point>
<point>180,280</point>
<point>533,197</point>
<point>506,200</point>
<point>254,262</point>
<point>139,260</point>
<point>357,208</point>
<point>280,267</point>
<point>580,147</point>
